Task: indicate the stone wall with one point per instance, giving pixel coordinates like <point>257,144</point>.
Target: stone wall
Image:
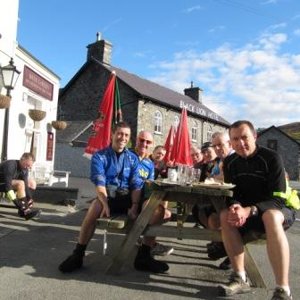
<point>286,147</point>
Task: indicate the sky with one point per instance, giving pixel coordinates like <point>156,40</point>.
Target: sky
<point>244,55</point>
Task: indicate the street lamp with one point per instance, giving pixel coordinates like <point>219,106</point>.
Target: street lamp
<point>9,76</point>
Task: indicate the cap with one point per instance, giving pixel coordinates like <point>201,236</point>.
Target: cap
<point>206,145</point>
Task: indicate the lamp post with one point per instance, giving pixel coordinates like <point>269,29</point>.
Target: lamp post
<point>9,76</point>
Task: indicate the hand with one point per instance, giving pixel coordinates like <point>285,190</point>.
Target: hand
<point>133,211</point>
<point>237,215</point>
<point>105,209</point>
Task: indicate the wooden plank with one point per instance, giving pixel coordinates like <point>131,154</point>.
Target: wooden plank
<point>253,270</point>
<point>115,222</point>
<point>135,232</point>
<point>186,233</point>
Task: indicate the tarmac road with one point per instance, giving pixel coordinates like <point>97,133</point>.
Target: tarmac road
<point>30,252</point>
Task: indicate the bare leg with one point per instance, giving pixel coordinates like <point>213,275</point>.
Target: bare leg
<point>19,186</point>
<point>89,223</point>
<point>233,243</point>
<point>277,246</point>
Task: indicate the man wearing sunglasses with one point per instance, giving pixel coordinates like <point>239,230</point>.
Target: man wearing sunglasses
<point>144,261</point>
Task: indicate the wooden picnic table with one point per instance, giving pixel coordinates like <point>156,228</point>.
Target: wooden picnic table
<point>185,196</point>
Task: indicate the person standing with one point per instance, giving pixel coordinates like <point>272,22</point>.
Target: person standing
<point>14,183</point>
<point>258,204</point>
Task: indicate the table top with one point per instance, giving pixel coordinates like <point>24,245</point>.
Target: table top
<point>195,188</point>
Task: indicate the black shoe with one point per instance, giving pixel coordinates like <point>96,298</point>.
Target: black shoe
<point>216,251</point>
<point>21,204</point>
<point>72,263</point>
<point>225,265</point>
<point>145,262</point>
<point>29,213</point>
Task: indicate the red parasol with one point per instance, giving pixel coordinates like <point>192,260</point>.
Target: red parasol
<point>109,112</point>
<point>169,143</point>
<point>181,150</point>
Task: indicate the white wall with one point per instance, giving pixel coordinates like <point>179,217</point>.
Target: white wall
<point>23,99</point>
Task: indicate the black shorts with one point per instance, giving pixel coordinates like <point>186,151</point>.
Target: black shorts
<point>257,224</point>
<point>119,205</point>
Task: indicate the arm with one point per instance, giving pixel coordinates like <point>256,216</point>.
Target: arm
<point>9,170</point>
<point>276,183</point>
<point>135,200</point>
<point>102,197</point>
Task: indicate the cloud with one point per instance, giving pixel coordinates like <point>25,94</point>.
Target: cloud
<point>297,32</point>
<point>269,2</point>
<point>216,28</point>
<point>257,81</point>
<point>192,9</point>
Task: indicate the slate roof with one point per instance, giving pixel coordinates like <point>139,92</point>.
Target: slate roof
<point>74,131</point>
<point>156,93</point>
<point>279,130</point>
<point>165,96</point>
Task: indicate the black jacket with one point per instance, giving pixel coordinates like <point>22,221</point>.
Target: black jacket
<point>9,170</point>
<point>256,178</point>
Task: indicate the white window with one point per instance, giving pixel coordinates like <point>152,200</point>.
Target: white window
<point>194,131</point>
<point>209,133</point>
<point>176,121</point>
<point>158,122</point>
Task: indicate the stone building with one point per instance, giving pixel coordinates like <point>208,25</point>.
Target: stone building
<point>145,105</point>
<point>287,147</point>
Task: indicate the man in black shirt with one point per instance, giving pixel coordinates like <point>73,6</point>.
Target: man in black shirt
<point>258,204</point>
<point>14,183</point>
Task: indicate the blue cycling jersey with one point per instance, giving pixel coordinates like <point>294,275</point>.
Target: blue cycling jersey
<point>108,168</point>
<point>146,169</point>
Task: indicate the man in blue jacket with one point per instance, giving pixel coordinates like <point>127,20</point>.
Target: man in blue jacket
<point>114,171</point>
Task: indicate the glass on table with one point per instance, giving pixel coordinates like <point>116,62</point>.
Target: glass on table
<point>181,174</point>
<point>197,175</point>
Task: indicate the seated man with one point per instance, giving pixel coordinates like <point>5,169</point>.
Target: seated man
<point>160,166</point>
<point>146,172</point>
<point>197,157</point>
<point>258,204</point>
<point>114,171</point>
<point>221,144</point>
<point>14,183</point>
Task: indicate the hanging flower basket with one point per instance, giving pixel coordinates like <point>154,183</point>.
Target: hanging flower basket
<point>59,125</point>
<point>37,115</point>
<point>4,101</point>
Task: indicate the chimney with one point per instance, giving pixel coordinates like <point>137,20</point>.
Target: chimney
<point>194,93</point>
<point>100,50</point>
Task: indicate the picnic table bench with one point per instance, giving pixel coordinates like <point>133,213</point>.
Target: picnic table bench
<point>185,197</point>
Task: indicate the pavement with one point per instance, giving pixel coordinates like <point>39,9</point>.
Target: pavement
<point>30,252</point>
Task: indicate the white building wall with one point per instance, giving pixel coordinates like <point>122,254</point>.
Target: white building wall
<point>21,126</point>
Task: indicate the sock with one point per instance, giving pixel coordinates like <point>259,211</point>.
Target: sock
<point>286,288</point>
<point>242,274</point>
<point>80,249</point>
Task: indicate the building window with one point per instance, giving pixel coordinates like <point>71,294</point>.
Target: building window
<point>272,144</point>
<point>158,122</point>
<point>194,131</point>
<point>209,133</point>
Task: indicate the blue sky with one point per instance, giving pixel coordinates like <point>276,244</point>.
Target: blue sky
<point>245,55</point>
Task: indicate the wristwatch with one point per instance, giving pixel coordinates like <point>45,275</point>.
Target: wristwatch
<point>253,211</point>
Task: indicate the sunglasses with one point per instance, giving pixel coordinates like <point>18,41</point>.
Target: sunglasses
<point>144,140</point>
